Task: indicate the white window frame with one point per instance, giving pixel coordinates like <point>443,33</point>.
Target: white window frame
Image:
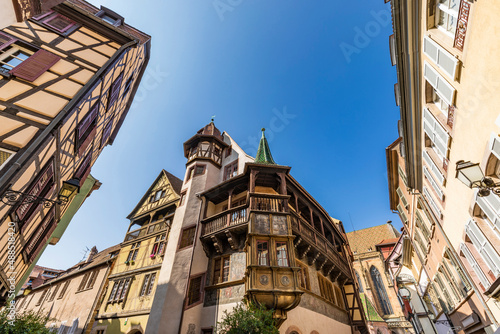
<point>402,197</point>
<point>9,51</point>
<point>483,246</point>
<point>490,206</point>
<point>432,202</point>
<point>439,83</point>
<point>475,266</point>
<point>402,214</point>
<point>441,54</point>
<point>442,7</point>
<point>434,184</point>
<point>433,167</point>
<point>437,134</point>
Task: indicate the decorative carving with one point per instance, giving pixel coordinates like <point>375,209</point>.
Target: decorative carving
<point>298,241</point>
<point>191,329</point>
<point>463,19</point>
<point>217,244</point>
<point>264,279</point>
<point>313,261</point>
<point>304,253</point>
<point>322,264</point>
<point>232,239</point>
<point>285,280</point>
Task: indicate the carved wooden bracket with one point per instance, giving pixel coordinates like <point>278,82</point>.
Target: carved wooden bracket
<point>322,264</point>
<point>217,244</point>
<point>232,239</point>
<point>314,259</point>
<point>298,241</point>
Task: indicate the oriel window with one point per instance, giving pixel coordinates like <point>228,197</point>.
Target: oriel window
<point>282,254</point>
<point>262,253</point>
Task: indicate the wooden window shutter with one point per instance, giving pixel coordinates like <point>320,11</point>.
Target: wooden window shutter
<point>106,132</point>
<point>114,91</point>
<point>6,40</point>
<point>59,23</point>
<point>84,169</point>
<point>35,66</point>
<point>86,130</point>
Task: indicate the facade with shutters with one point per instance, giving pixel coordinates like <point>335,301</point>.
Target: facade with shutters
<point>445,53</point>
<point>245,228</point>
<point>68,75</point>
<point>126,302</point>
<point>70,300</point>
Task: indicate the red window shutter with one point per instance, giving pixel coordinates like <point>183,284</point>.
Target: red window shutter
<point>115,90</point>
<point>59,23</point>
<point>87,141</point>
<point>6,40</point>
<point>84,169</point>
<point>87,121</point>
<point>35,66</point>
<point>106,132</point>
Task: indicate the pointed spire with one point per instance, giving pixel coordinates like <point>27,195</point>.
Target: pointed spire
<point>264,153</point>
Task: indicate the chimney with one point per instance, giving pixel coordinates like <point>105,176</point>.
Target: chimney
<point>91,255</point>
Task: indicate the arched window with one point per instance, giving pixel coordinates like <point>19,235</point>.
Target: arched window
<point>359,282</point>
<point>381,293</point>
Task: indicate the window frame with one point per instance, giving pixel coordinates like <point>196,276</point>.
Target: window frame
<point>104,11</point>
<point>43,20</point>
<point>182,198</point>
<point>12,154</point>
<point>220,275</point>
<point>183,230</point>
<point>201,291</point>
<point>266,242</point>
<point>278,259</point>
<point>231,170</point>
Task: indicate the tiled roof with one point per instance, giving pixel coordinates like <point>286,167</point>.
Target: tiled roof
<point>365,240</point>
<point>370,311</point>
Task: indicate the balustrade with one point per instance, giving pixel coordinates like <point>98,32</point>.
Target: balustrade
<point>147,229</point>
<point>224,219</point>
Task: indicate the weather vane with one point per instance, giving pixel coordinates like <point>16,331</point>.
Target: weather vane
<point>213,117</point>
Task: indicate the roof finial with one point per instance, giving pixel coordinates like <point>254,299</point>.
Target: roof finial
<point>213,118</point>
<point>264,153</point>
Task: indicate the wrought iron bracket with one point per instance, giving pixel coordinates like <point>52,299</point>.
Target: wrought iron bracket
<point>12,197</point>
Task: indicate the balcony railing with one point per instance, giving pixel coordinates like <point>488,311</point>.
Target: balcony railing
<point>307,232</point>
<point>147,229</point>
<point>265,202</point>
<point>231,217</point>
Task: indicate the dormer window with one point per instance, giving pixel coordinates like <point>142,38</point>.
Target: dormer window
<point>110,17</point>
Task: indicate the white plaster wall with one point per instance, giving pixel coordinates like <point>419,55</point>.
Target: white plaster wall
<point>7,14</point>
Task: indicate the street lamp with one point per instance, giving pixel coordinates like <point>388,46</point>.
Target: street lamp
<point>473,177</point>
<point>68,189</point>
<point>13,197</point>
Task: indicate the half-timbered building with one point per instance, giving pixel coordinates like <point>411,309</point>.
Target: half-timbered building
<point>125,304</point>
<point>245,228</point>
<point>68,76</point>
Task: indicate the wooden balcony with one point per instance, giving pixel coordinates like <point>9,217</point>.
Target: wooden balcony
<point>232,217</point>
<point>147,229</point>
<point>313,238</point>
<point>269,202</point>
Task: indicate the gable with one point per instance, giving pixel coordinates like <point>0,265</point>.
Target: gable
<point>160,193</point>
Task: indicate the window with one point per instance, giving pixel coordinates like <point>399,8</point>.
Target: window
<point>402,197</point>
<point>402,214</point>
<point>183,198</point>
<point>440,103</point>
<point>134,250</point>
<point>120,290</point>
<point>42,296</point>
<point>229,150</point>
<point>5,156</point>
<point>303,276</point>
<point>114,90</point>
<point>159,245</point>
<point>442,58</point>
<point>433,167</point>
<point>282,254</point>
<point>190,173</point>
<point>231,170</point>
<point>195,290</point>
<point>483,246</point>
<point>55,21</point>
<point>381,293</point>
<point>110,17</point>
<point>106,132</point>
<point>88,281</point>
<point>187,237</point>
<point>199,169</point>
<point>432,202</point>
<point>360,286</point>
<point>442,87</point>
<point>84,169</point>
<point>63,291</point>
<point>433,182</point>
<point>475,266</point>
<point>221,270</point>
<point>23,61</point>
<point>128,84</point>
<point>85,131</point>
<point>147,285</point>
<point>447,16</point>
<point>158,195</point>
<point>490,206</point>
<point>262,253</point>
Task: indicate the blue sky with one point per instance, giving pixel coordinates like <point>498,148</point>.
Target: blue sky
<point>317,76</point>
